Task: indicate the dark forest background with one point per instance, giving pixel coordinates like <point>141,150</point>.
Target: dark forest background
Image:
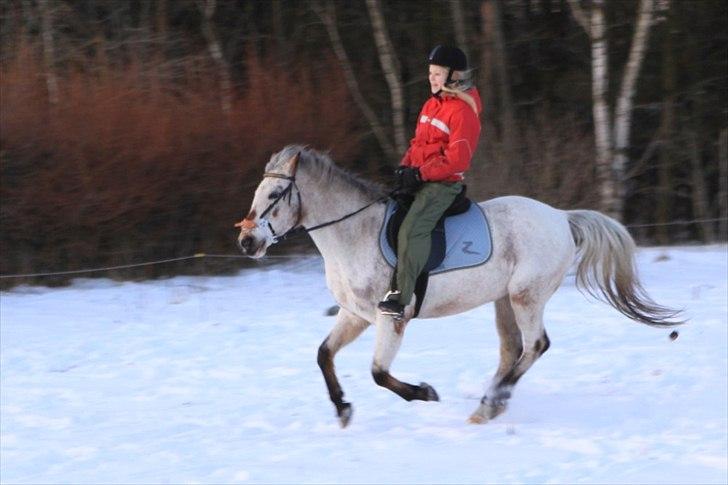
<point>133,130</point>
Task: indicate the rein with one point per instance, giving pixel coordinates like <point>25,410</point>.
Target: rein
<point>298,229</point>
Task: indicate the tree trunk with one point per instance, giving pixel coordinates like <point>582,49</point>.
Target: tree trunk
<point>327,14</point>
<point>390,68</point>
<point>699,193</point>
<point>623,114</point>
<point>612,140</point>
<point>278,32</point>
<point>160,50</point>
<point>48,50</point>
<point>460,26</point>
<point>161,21</point>
<point>667,131</point>
<point>486,78</point>
<point>609,194</point>
<point>723,183</point>
<point>500,59</point>
<point>213,46</point>
<point>252,34</point>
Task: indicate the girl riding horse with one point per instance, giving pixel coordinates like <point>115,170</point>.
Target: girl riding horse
<point>433,167</point>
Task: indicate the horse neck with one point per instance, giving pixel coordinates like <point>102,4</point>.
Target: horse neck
<point>322,203</point>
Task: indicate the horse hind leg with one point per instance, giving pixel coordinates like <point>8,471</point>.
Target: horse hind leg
<point>511,349</point>
<point>519,320</point>
<point>389,339</point>
<point>348,327</point>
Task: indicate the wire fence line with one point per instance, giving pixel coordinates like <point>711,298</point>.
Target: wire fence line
<point>282,256</point>
<point>678,223</point>
<point>145,263</point>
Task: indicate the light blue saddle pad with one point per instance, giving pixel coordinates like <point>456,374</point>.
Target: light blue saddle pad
<point>467,240</point>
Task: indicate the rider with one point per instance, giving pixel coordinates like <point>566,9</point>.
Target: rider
<point>432,169</point>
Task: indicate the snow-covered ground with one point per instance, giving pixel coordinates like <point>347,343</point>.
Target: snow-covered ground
<point>214,380</point>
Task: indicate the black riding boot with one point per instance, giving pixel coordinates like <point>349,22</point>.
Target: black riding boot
<point>391,305</point>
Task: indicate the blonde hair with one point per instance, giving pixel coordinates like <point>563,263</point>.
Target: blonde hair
<point>466,82</point>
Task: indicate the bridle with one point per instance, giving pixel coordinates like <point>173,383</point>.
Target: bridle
<point>287,193</point>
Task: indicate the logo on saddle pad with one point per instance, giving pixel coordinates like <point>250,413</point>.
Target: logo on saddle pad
<point>463,241</point>
<point>466,247</point>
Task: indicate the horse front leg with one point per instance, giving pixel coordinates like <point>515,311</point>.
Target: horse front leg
<point>389,339</point>
<point>348,327</point>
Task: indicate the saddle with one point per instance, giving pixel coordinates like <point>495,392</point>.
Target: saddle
<point>437,251</point>
<point>460,239</point>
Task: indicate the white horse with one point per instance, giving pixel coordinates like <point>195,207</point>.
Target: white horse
<point>533,247</point>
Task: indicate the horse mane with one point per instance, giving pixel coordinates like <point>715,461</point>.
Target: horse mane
<point>320,166</point>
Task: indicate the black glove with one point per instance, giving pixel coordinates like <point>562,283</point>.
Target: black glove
<point>408,178</point>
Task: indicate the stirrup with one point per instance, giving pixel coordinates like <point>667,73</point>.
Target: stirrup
<point>391,294</point>
<point>391,308</point>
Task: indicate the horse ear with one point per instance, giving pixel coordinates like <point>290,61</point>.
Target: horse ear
<point>293,163</point>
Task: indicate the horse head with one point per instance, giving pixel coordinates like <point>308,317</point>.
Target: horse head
<point>275,211</point>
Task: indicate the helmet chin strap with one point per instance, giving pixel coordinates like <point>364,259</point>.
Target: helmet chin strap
<point>448,80</point>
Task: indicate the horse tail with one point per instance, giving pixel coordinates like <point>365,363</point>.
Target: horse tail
<point>606,268</point>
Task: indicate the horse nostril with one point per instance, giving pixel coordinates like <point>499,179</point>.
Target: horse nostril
<point>246,243</point>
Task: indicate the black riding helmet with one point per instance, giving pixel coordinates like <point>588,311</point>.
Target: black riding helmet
<point>450,57</point>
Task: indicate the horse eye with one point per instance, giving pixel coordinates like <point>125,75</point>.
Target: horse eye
<point>274,195</point>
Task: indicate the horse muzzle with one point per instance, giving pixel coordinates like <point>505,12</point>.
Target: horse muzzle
<point>252,247</point>
<point>250,243</point>
<point>246,244</point>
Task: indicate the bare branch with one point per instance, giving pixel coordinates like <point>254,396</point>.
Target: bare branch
<point>390,68</point>
<point>460,26</point>
<point>623,114</point>
<point>579,15</point>
<point>699,192</point>
<point>609,187</point>
<point>723,182</point>
<point>213,46</point>
<point>327,14</point>
<point>48,51</point>
<point>492,15</point>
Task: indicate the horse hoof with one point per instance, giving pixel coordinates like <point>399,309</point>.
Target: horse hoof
<point>477,419</point>
<point>428,392</point>
<point>344,414</point>
<point>486,412</point>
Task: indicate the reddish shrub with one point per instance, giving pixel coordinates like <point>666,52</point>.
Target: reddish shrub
<point>131,165</point>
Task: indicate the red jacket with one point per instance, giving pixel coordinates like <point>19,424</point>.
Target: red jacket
<point>445,139</point>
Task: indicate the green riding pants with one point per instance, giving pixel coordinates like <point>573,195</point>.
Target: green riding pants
<point>415,233</point>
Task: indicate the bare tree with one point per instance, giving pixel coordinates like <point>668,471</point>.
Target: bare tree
<point>391,70</point>
<point>612,137</point>
<point>495,41</point>
<point>327,13</point>
<point>486,77</point>
<point>46,24</point>
<point>278,31</point>
<point>625,101</point>
<point>666,134</point>
<point>723,182</point>
<point>207,7</point>
<point>161,20</point>
<point>460,27</point>
<point>699,191</point>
